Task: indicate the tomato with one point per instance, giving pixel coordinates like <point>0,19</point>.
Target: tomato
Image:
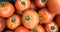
<point>58,20</point>
<point>40,3</point>
<point>2,24</point>
<point>13,21</point>
<point>51,27</point>
<point>38,28</point>
<point>8,31</point>
<point>30,19</point>
<point>21,29</point>
<point>22,5</point>
<point>54,6</point>
<point>45,16</point>
<point>6,9</point>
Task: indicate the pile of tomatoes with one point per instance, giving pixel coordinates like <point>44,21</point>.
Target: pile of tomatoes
<point>30,16</point>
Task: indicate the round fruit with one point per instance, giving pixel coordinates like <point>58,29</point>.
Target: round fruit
<point>40,3</point>
<point>54,6</point>
<point>45,16</point>
<point>30,19</point>
<point>21,29</point>
<point>22,5</point>
<point>38,28</point>
<point>14,21</point>
<point>51,27</point>
<point>8,31</point>
<point>6,9</point>
<point>2,24</point>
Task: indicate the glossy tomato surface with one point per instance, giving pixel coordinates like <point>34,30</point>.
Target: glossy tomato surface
<point>40,3</point>
<point>22,5</point>
<point>38,28</point>
<point>6,9</point>
<point>21,29</point>
<point>54,6</point>
<point>30,19</point>
<point>45,16</point>
<point>51,27</point>
<point>2,24</point>
<point>13,21</point>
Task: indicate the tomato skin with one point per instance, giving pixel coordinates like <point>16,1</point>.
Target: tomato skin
<point>2,24</point>
<point>58,19</point>
<point>21,29</point>
<point>32,21</point>
<point>39,28</point>
<point>8,31</point>
<point>46,16</point>
<point>22,6</point>
<point>49,29</point>
<point>54,6</point>
<point>14,21</point>
<point>7,10</point>
<point>40,3</point>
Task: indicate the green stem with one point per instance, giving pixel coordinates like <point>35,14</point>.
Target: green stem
<point>13,19</point>
<point>52,27</point>
<point>2,4</point>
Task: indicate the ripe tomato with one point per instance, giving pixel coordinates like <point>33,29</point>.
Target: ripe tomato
<point>45,16</point>
<point>21,29</point>
<point>54,6</point>
<point>22,5</point>
<point>8,31</point>
<point>2,24</point>
<point>38,28</point>
<point>51,27</point>
<point>58,20</point>
<point>40,3</point>
<point>14,21</point>
<point>30,19</point>
<point>6,9</point>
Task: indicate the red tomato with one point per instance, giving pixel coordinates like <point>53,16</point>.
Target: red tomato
<point>54,6</point>
<point>40,3</point>
<point>51,27</point>
<point>8,31</point>
<point>22,5</point>
<point>21,29</point>
<point>2,24</point>
<point>6,9</point>
<point>13,21</point>
<point>30,19</point>
<point>46,16</point>
<point>38,28</point>
<point>58,20</point>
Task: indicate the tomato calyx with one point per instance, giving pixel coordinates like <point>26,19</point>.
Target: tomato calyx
<point>52,27</point>
<point>13,19</point>
<point>41,18</point>
<point>27,18</point>
<point>43,0</point>
<point>34,30</point>
<point>2,4</point>
<point>23,3</point>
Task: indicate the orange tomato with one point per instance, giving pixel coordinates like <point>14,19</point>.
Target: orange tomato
<point>2,24</point>
<point>51,27</point>
<point>6,9</point>
<point>46,16</point>
<point>38,28</point>
<point>8,31</point>
<point>30,19</point>
<point>21,29</point>
<point>22,5</point>
<point>54,6</point>
<point>13,21</point>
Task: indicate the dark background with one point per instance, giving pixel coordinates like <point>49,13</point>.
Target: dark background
<point>12,1</point>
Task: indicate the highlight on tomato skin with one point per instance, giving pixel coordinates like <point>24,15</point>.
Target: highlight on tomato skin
<point>21,29</point>
<point>45,16</point>
<point>22,5</point>
<point>30,19</point>
<point>38,28</point>
<point>6,9</point>
<point>14,21</point>
<point>2,24</point>
<point>51,27</point>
